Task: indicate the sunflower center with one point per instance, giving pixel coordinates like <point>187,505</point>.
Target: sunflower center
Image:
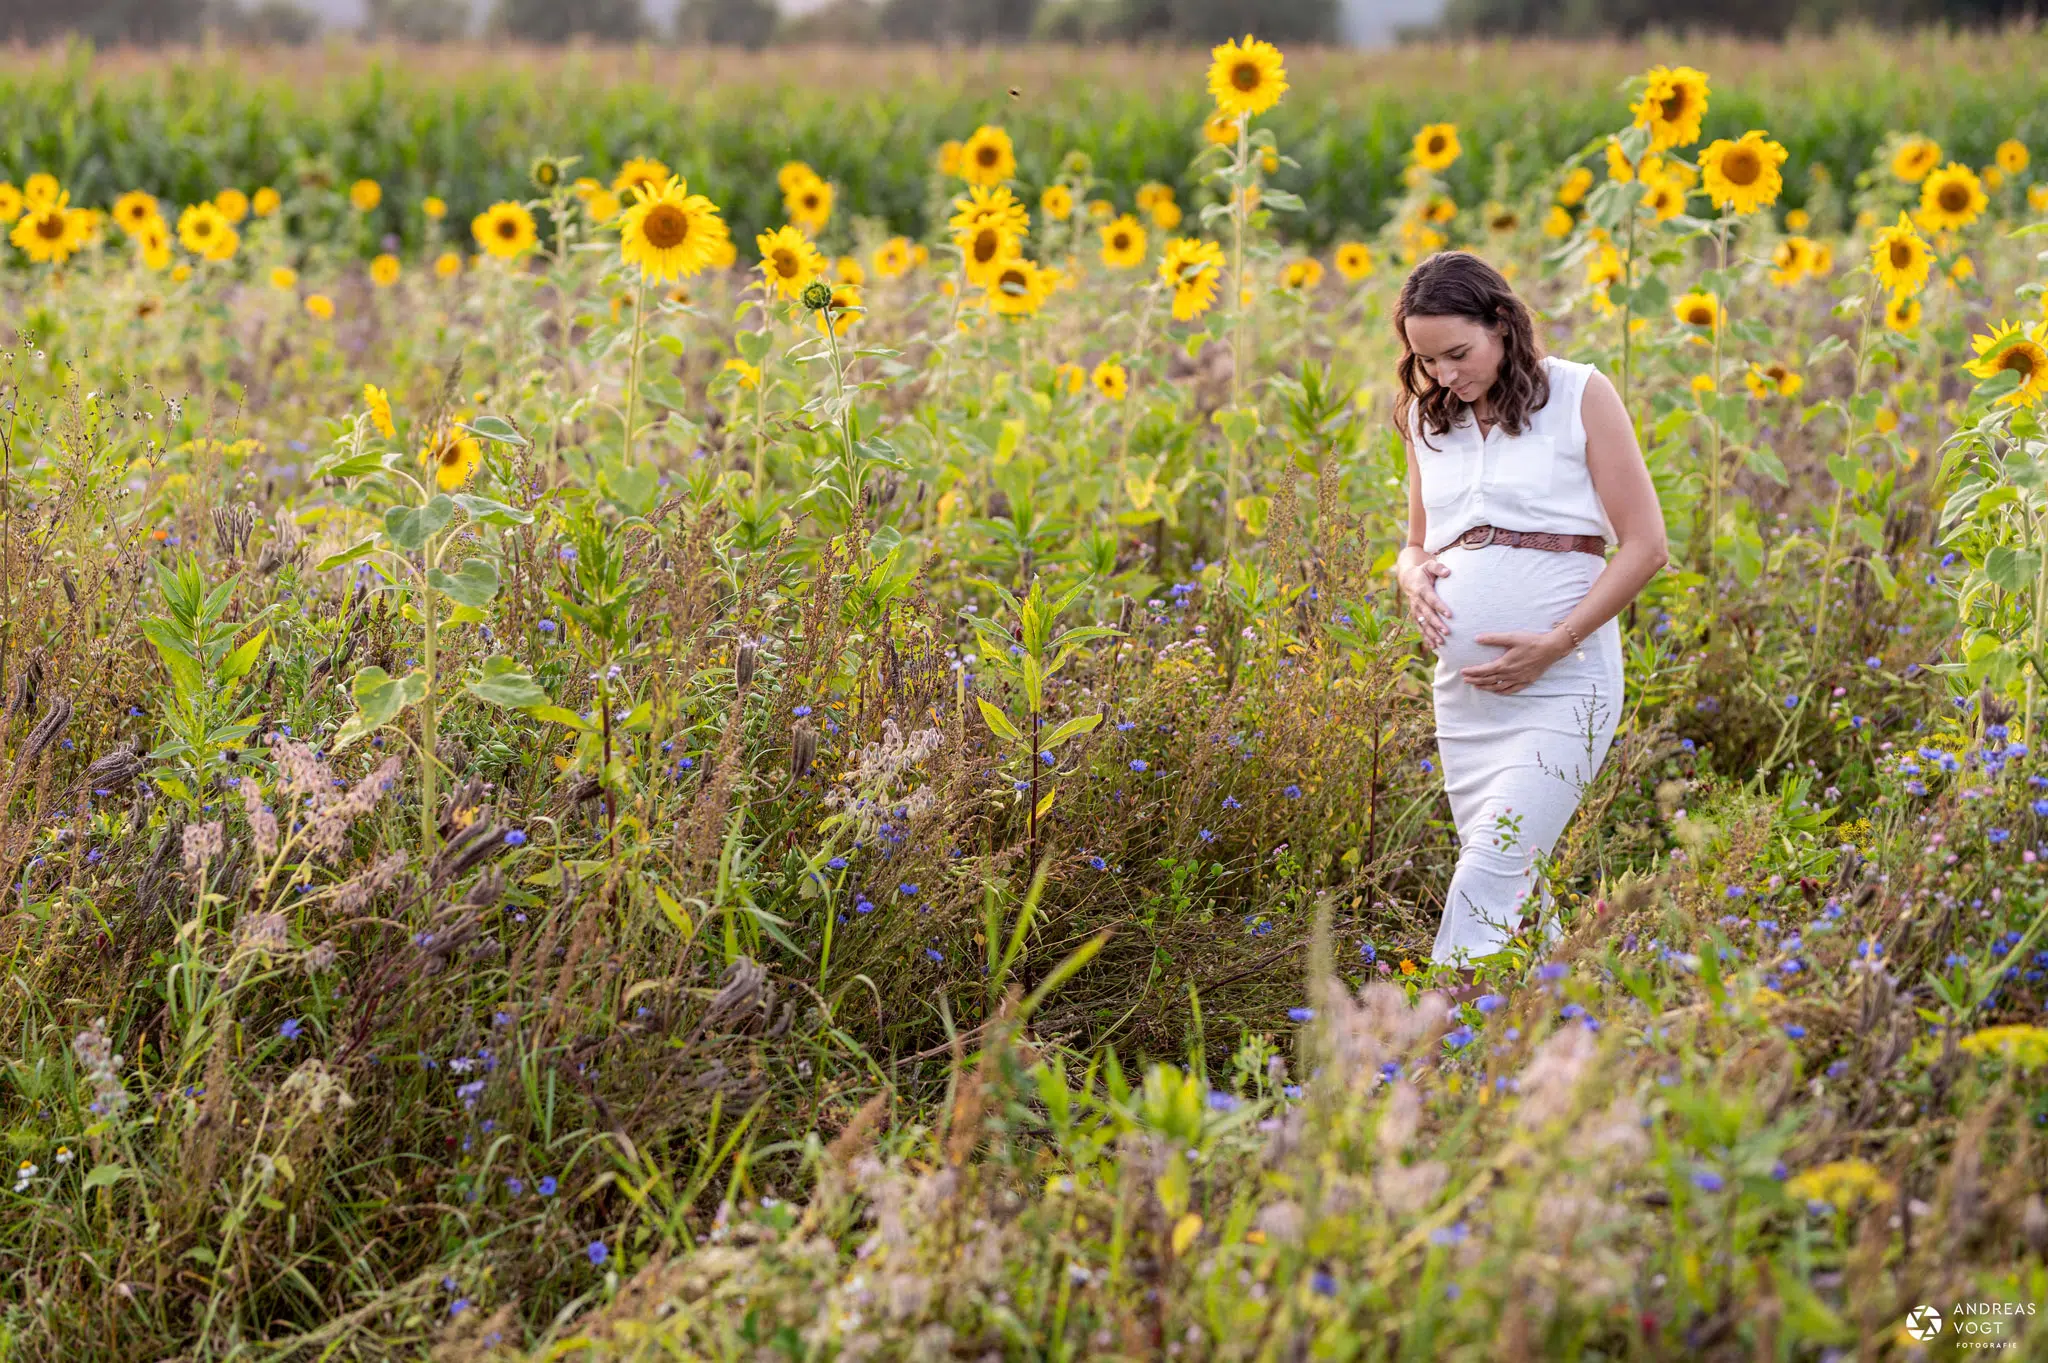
<point>985,243</point>
<point>202,227</point>
<point>507,228</point>
<point>1245,76</point>
<point>50,227</point>
<point>2020,360</point>
<point>985,155</point>
<point>1741,166</point>
<point>784,261</point>
<point>1435,145</point>
<point>1775,373</point>
<point>1902,255</point>
<point>665,226</point>
<point>1700,315</point>
<point>1954,197</point>
<point>1674,105</point>
<point>450,455</point>
<point>1120,241</point>
<point>1012,281</point>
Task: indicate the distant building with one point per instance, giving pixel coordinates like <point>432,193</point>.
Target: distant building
<point>1375,23</point>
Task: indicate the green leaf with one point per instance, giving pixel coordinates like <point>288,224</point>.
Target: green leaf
<point>106,1175</point>
<point>238,663</point>
<point>2012,568</point>
<point>473,586</point>
<point>496,429</point>
<point>1073,728</point>
<point>753,345</point>
<point>410,526</point>
<point>501,681</point>
<point>1766,463</point>
<point>379,698</point>
<point>351,465</point>
<point>999,723</point>
<point>487,512</point>
<point>348,555</point>
<point>635,486</point>
<point>555,714</point>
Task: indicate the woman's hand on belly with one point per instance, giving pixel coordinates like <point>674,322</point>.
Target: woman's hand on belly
<point>1529,655</point>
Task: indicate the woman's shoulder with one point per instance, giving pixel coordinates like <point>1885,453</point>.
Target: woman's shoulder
<point>1574,371</point>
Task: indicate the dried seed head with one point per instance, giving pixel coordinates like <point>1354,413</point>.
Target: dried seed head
<point>743,664</point>
<point>204,842</point>
<point>803,749</point>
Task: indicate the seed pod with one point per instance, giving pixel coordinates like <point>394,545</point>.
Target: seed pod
<point>743,665</point>
<point>1125,614</point>
<point>70,587</point>
<point>45,733</point>
<point>803,749</point>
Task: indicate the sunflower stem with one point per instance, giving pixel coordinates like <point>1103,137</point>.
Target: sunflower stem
<point>1237,216</point>
<point>633,384</point>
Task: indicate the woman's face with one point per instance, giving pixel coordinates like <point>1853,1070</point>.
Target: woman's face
<point>1457,353</point>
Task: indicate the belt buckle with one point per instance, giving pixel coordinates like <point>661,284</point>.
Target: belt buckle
<point>1482,543</point>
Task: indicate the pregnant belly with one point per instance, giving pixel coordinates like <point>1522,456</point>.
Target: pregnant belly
<point>1497,589</point>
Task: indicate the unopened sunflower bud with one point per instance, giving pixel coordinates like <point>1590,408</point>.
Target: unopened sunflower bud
<point>743,664</point>
<point>817,295</point>
<point>803,749</point>
<point>546,172</point>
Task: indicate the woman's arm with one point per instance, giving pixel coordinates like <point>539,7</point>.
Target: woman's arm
<point>1621,480</point>
<point>1416,569</point>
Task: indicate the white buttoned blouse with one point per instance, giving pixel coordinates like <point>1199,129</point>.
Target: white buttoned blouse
<point>1533,481</point>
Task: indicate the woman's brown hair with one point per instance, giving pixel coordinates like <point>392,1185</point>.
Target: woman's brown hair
<point>1460,284</point>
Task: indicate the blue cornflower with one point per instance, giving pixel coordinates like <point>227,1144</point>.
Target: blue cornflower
<point>1791,701</point>
<point>1428,766</point>
<point>1206,836</point>
<point>547,1185</point>
<point>1230,802</point>
<point>1098,863</point>
<point>1124,726</point>
<point>1551,970</point>
<point>1138,764</point>
<point>836,864</point>
<point>547,627</point>
<point>1292,792</point>
<point>936,956</point>
<point>1046,758</point>
<point>515,838</point>
<point>1460,1038</point>
<point>1219,1101</point>
<point>1301,1014</point>
<point>458,1306</point>
<point>1323,1283</point>
<point>801,711</point>
<point>1707,1181</point>
<point>1292,1091</point>
<point>1369,952</point>
<point>1486,1003</point>
<point>1688,745</point>
<point>568,553</point>
<point>1997,834</point>
<point>1794,1030</point>
<point>1873,661</point>
<point>1737,891</point>
<point>908,889</point>
<point>1448,1235</point>
<point>290,1029</point>
<point>597,1251</point>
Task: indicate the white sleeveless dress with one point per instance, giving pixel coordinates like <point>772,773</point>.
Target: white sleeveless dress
<point>1515,765</point>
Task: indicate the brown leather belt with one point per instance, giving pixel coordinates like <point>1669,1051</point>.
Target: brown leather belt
<point>1479,536</point>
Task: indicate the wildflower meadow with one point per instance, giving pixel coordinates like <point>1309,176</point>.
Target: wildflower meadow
<point>788,736</point>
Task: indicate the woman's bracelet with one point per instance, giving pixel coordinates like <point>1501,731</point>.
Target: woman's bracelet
<point>1571,634</point>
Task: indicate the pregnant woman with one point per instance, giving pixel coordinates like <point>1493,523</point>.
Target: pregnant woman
<point>1522,469</point>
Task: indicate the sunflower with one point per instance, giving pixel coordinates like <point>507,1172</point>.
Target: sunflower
<point>1603,266</point>
<point>1993,179</point>
<point>284,278</point>
<point>849,271</point>
<point>452,459</point>
<point>1962,268</point>
<point>1111,381</point>
<point>505,229</point>
<point>1165,215</point>
<point>1619,167</point>
<point>1557,222</point>
<point>204,230</point>
<point>1915,156</point>
<point>1902,313</point>
<point>365,195</point>
<point>1664,197</point>
<point>892,258</point>
<point>1575,186</point>
<point>436,207</point>
<point>1790,261</point>
<point>1797,220</point>
<point>384,270</point>
<point>1743,175</point>
<point>1823,262</point>
<point>52,233</point>
<point>320,306</point>
<point>1303,274</point>
<point>1123,243</point>
<point>846,309</point>
<point>948,157</point>
<point>11,202</point>
<point>379,404</point>
<point>984,250</point>
<point>2011,156</point>
<point>265,201</point>
<point>1151,192</point>
<point>788,260</point>
<point>669,233</point>
<point>154,240</point>
<point>602,205</point>
<point>1439,208</point>
<point>1951,198</point>
<point>1246,78</point>
<point>2037,199</point>
<point>749,374</point>
<point>1220,129</point>
<point>1674,99</point>
<point>1698,309</point>
<point>1353,260</point>
<point>987,157</point>
<point>134,209</point>
<point>1069,377</point>
<point>981,207</point>
<point>1436,146</point>
<point>1901,258</point>
<point>640,171</point>
<point>448,264</point>
<point>1018,287</point>
<point>2011,348</point>
<point>1192,266</point>
<point>41,189</point>
<point>809,205</point>
<point>1765,380</point>
<point>1057,203</point>
<point>233,204</point>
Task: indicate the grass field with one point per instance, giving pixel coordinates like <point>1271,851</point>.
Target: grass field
<point>605,776</point>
